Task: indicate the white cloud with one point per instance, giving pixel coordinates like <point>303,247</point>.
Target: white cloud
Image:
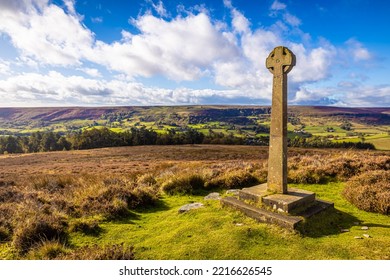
<point>97,19</point>
<point>160,9</point>
<point>31,89</point>
<point>180,49</point>
<point>305,95</point>
<point>92,72</point>
<point>70,6</point>
<point>184,48</point>
<point>45,33</point>
<point>359,52</point>
<point>312,65</point>
<point>277,6</point>
<point>4,67</point>
<point>240,22</point>
<point>292,20</point>
<point>22,5</point>
<point>366,96</point>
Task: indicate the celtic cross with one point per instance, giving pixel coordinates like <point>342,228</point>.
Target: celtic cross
<point>279,62</point>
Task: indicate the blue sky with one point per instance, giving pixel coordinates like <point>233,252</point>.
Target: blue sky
<point>153,52</point>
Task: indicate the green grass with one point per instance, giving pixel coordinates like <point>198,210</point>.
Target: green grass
<point>214,232</point>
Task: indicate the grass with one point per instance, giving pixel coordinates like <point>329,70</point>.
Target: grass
<point>213,232</point>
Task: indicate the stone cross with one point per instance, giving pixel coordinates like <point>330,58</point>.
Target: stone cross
<point>279,62</point>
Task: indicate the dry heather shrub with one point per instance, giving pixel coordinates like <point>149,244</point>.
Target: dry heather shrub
<point>5,233</point>
<point>306,176</point>
<point>38,227</point>
<point>233,179</point>
<point>337,166</point>
<point>108,252</point>
<point>52,184</point>
<point>114,199</point>
<point>147,179</point>
<point>89,227</point>
<point>10,195</point>
<point>6,213</point>
<point>47,250</point>
<point>182,183</point>
<point>370,191</point>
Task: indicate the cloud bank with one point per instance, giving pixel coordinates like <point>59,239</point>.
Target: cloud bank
<point>186,47</point>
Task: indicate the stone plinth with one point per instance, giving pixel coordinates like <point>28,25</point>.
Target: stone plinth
<point>293,199</point>
<point>256,202</point>
<point>253,193</point>
<point>262,215</point>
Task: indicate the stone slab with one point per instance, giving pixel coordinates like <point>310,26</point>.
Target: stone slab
<point>318,206</point>
<point>254,193</point>
<point>212,196</point>
<point>262,215</point>
<point>293,199</point>
<point>190,206</point>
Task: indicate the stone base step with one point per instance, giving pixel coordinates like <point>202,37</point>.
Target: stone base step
<point>262,215</point>
<point>317,207</point>
<point>293,199</point>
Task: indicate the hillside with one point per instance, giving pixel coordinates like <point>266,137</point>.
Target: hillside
<point>336,124</point>
<point>57,114</point>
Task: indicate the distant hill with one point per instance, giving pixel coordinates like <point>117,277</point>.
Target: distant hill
<point>58,114</point>
<point>337,124</point>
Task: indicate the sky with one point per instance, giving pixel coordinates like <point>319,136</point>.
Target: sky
<point>186,52</point>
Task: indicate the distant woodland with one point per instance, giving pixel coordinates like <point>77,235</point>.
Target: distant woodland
<point>104,137</point>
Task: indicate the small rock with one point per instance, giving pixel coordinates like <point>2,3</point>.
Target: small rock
<point>212,196</point>
<point>364,228</point>
<point>233,191</point>
<point>344,230</point>
<point>366,235</point>
<point>356,223</point>
<point>358,237</point>
<point>190,206</point>
<point>239,224</point>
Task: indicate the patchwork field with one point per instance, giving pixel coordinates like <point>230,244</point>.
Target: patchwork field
<point>122,203</point>
<point>371,125</point>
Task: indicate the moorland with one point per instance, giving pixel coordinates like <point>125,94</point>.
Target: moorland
<point>122,203</point>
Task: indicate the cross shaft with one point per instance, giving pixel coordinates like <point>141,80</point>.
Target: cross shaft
<point>280,61</point>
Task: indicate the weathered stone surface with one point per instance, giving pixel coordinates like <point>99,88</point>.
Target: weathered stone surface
<point>254,193</point>
<point>233,191</point>
<point>358,237</point>
<point>190,206</point>
<point>366,236</point>
<point>364,228</point>
<point>212,196</point>
<point>318,206</point>
<point>279,62</point>
<point>262,215</point>
<point>289,201</point>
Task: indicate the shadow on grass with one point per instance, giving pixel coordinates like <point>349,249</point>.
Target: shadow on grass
<point>130,216</point>
<point>371,225</point>
<point>125,218</point>
<point>158,206</point>
<point>329,222</point>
